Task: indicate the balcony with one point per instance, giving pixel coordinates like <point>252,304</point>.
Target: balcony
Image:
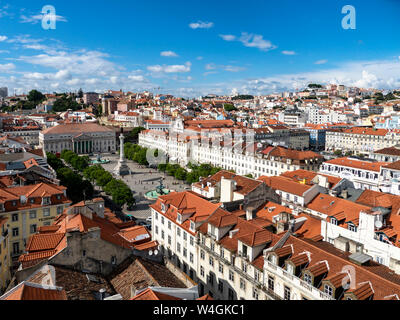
<point>288,275</point>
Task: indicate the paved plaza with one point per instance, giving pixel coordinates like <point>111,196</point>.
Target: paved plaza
<point>142,180</point>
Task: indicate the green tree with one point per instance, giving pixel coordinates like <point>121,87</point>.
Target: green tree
<point>134,134</point>
<point>77,188</point>
<point>171,169</point>
<point>192,177</point>
<point>35,96</point>
<point>315,86</point>
<point>80,93</point>
<point>53,161</point>
<point>180,174</point>
<point>229,107</point>
<point>243,97</point>
<point>63,104</point>
<point>103,178</point>
<point>67,155</point>
<point>80,163</point>
<point>338,152</point>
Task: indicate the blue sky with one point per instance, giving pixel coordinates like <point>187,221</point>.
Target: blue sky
<point>191,48</point>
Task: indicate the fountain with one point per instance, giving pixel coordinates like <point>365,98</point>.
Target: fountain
<point>159,191</point>
<point>99,160</point>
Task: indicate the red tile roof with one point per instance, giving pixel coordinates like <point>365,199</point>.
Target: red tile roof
<point>32,291</point>
<point>337,207</point>
<point>285,185</point>
<point>358,164</point>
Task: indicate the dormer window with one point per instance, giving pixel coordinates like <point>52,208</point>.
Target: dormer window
<point>334,221</point>
<point>289,268</point>
<point>272,258</point>
<point>58,197</point>
<point>163,207</point>
<point>179,218</point>
<point>308,278</point>
<point>32,200</point>
<point>14,203</point>
<point>46,200</point>
<point>244,248</point>
<point>352,227</point>
<point>1,206</point>
<point>328,290</point>
<point>192,226</point>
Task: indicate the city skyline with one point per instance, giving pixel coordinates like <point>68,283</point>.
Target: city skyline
<point>198,48</point>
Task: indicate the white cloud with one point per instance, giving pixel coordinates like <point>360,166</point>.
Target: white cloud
<point>201,25</point>
<point>137,78</point>
<point>381,74</point>
<point>209,72</point>
<point>256,41</point>
<point>321,61</point>
<point>73,82</point>
<point>91,81</point>
<point>4,12</point>
<point>251,40</point>
<point>229,68</point>
<point>38,47</point>
<point>62,75</point>
<point>7,67</point>
<point>80,62</point>
<point>233,68</point>
<point>114,79</point>
<point>24,39</point>
<point>372,74</point>
<point>3,38</point>
<point>170,68</point>
<point>34,19</point>
<point>37,76</point>
<point>228,37</point>
<point>168,54</point>
<point>210,66</point>
<point>288,52</point>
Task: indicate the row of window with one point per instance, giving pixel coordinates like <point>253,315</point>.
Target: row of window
<point>33,214</point>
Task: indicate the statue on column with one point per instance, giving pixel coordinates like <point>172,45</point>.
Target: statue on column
<point>122,168</point>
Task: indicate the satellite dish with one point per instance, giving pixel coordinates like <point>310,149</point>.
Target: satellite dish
<point>150,252</point>
<point>378,224</point>
<point>155,252</point>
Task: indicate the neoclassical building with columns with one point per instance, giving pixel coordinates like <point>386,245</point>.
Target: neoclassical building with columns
<point>82,138</point>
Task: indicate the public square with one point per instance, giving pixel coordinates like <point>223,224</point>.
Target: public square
<point>142,180</point>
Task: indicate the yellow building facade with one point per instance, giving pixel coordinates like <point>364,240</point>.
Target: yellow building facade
<point>5,258</point>
<point>25,209</point>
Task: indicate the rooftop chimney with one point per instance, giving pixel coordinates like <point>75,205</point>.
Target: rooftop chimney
<point>102,294</point>
<point>250,213</point>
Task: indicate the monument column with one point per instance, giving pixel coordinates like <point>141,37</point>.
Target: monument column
<point>122,168</point>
